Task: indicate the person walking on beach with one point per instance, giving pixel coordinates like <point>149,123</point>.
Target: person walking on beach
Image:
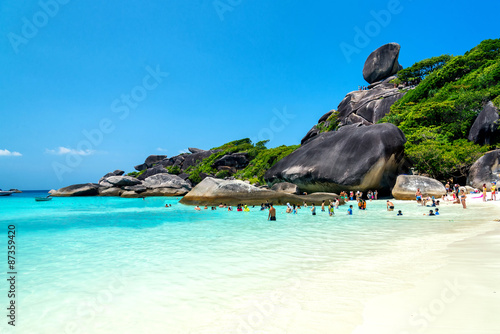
<point>390,206</point>
<point>484,192</point>
<point>272,212</point>
<point>493,191</point>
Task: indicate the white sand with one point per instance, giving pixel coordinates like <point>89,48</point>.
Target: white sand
<point>461,297</point>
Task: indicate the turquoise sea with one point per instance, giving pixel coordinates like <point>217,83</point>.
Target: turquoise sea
<point>113,265</point>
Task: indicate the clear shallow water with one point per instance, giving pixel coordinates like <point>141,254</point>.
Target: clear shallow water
<point>113,265</point>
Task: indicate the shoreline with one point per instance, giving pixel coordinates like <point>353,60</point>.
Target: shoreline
<point>463,296</point>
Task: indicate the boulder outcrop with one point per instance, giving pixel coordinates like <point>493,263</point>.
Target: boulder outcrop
<point>121,181</point>
<point>485,170</point>
<point>485,128</point>
<point>355,157</point>
<point>367,106</point>
<point>158,169</point>
<point>150,161</point>
<point>286,187</point>
<point>110,191</point>
<point>215,191</point>
<point>86,189</point>
<point>382,63</point>
<point>236,160</point>
<point>166,181</point>
<point>406,186</point>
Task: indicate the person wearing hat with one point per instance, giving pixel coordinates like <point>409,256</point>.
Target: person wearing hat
<point>493,191</point>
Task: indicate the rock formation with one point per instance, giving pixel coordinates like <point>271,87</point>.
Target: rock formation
<point>86,189</point>
<point>286,187</point>
<point>382,63</point>
<point>367,107</point>
<point>355,157</point>
<point>485,170</point>
<point>485,127</point>
<point>150,161</point>
<point>215,191</point>
<point>407,185</point>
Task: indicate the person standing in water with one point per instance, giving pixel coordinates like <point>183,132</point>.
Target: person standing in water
<point>390,206</point>
<point>272,212</point>
<point>463,198</point>
<point>313,210</point>
<point>349,211</point>
<point>418,195</point>
<point>323,206</point>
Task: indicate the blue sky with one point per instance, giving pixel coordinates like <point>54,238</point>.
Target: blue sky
<point>92,86</point>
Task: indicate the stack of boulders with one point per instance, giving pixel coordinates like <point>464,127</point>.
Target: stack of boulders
<point>371,105</point>
<point>126,186</point>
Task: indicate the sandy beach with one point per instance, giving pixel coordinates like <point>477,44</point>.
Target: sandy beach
<point>461,297</point>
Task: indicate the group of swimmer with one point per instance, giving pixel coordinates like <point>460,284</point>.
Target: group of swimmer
<point>458,193</point>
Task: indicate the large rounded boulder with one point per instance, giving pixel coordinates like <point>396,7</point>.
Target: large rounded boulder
<point>406,186</point>
<point>121,181</point>
<point>485,128</point>
<point>212,191</point>
<point>485,170</point>
<point>355,157</point>
<point>382,63</point>
<point>86,189</point>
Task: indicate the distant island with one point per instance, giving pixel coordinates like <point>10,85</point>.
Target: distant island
<point>436,120</point>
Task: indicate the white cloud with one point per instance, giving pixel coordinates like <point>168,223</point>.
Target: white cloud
<point>184,151</point>
<point>64,150</point>
<point>7,153</point>
<point>159,149</point>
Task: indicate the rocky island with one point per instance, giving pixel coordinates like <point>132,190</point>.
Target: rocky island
<point>437,119</point>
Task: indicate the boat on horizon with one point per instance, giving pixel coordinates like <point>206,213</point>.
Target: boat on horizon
<point>5,192</point>
<point>43,199</point>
